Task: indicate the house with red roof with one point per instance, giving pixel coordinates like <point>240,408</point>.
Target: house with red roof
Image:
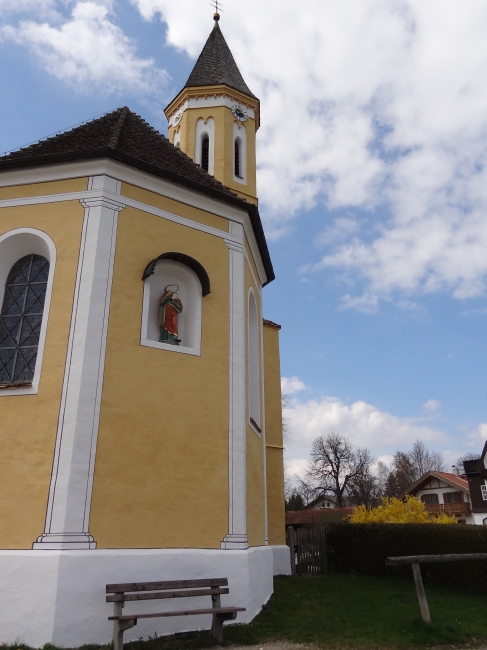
<point>444,492</point>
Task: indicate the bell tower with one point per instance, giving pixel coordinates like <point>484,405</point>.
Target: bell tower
<point>215,117</point>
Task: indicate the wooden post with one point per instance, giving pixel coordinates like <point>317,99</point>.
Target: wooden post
<point>423,603</point>
<point>290,532</point>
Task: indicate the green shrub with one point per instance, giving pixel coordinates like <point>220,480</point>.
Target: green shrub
<point>361,549</point>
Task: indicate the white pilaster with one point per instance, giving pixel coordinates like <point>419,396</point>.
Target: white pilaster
<point>237,442</point>
<point>68,509</point>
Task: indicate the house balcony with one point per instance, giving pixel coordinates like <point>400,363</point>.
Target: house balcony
<point>456,509</point>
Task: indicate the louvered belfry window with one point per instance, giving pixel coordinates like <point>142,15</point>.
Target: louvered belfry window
<point>237,159</point>
<point>21,319</point>
<point>205,153</point>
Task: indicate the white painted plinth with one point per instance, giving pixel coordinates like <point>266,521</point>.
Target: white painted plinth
<point>58,597</point>
<point>282,560</point>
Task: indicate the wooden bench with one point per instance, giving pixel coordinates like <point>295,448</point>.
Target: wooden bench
<point>214,587</point>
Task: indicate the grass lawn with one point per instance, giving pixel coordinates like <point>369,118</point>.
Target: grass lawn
<point>346,611</point>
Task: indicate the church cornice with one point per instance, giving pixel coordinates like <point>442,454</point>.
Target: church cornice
<point>206,93</point>
<point>106,152</point>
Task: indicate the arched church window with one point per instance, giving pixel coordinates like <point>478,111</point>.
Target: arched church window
<point>21,319</point>
<point>253,367</point>
<point>237,158</point>
<point>205,153</point>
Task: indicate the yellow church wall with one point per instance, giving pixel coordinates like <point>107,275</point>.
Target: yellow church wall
<point>174,207</point>
<point>161,473</point>
<point>28,423</point>
<point>43,189</point>
<point>273,428</point>
<point>255,449</point>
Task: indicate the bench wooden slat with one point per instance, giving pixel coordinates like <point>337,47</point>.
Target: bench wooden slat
<point>187,593</point>
<point>215,610</point>
<point>167,584</point>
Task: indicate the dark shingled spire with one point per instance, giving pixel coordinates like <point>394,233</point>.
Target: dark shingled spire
<point>216,65</point>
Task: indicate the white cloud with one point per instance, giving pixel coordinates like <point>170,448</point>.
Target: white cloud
<point>291,385</point>
<point>478,437</point>
<point>376,104</point>
<point>431,405</point>
<point>364,424</point>
<point>88,51</point>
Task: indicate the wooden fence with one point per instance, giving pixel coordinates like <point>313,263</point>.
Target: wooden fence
<point>308,551</point>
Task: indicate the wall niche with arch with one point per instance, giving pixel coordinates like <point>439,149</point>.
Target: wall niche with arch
<point>174,285</point>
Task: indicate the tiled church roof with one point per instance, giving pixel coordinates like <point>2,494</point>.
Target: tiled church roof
<point>125,132</point>
<point>124,136</point>
<point>216,65</point>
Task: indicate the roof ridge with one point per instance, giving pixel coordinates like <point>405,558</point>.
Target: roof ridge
<point>118,128</point>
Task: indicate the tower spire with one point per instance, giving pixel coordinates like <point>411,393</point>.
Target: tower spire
<point>214,118</point>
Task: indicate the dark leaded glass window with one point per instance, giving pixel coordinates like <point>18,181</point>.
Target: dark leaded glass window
<point>21,319</point>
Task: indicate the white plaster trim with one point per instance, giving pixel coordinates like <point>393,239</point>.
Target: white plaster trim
<point>256,283</point>
<point>117,202</point>
<point>69,501</point>
<point>133,176</point>
<point>253,356</point>
<point>237,442</point>
<point>240,134</point>
<point>209,101</point>
<point>205,129</point>
<point>17,249</point>
<point>58,597</point>
<point>263,421</point>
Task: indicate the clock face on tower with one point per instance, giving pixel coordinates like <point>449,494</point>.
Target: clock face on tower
<point>239,113</point>
<point>176,118</point>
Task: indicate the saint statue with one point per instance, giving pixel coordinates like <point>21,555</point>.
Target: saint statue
<point>170,306</point>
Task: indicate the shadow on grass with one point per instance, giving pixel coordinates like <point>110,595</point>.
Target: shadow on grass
<point>343,611</point>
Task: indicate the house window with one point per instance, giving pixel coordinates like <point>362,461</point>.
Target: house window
<point>452,497</point>
<point>205,153</point>
<point>21,319</point>
<point>430,499</point>
<point>483,489</point>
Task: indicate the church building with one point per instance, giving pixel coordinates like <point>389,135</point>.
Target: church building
<point>140,428</point>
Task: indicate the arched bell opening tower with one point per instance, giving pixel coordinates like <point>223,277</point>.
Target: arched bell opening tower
<point>215,117</point>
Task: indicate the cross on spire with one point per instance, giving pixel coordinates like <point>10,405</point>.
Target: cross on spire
<point>217,6</point>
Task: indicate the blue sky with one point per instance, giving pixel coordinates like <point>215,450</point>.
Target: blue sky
<point>372,178</point>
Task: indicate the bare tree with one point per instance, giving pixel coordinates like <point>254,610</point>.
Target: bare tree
<point>365,490</point>
<point>424,460</point>
<point>334,467</point>
<point>409,466</point>
<point>469,456</point>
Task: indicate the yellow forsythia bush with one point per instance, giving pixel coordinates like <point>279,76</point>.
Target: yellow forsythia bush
<point>396,511</point>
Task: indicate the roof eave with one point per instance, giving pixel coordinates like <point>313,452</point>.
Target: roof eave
<point>106,152</point>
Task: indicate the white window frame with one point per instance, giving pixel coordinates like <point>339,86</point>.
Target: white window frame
<point>253,345</point>
<point>14,245</point>
<point>205,129</point>
<point>240,135</point>
<point>483,489</point>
